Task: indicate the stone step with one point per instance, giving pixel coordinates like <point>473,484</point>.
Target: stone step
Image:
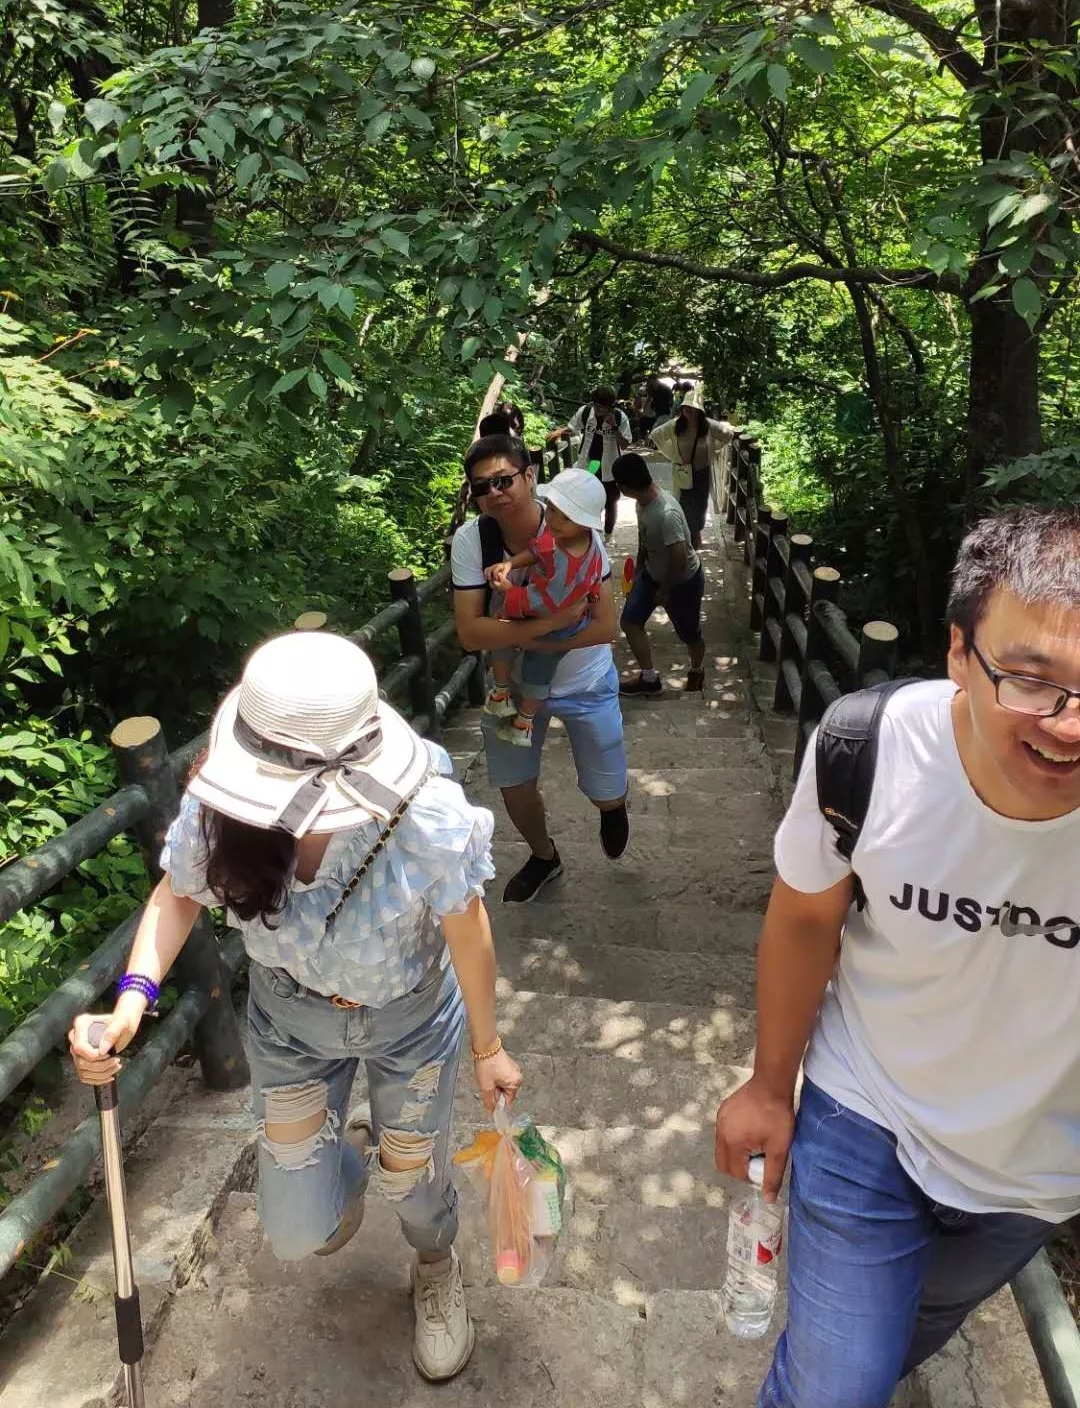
<point>676,928</point>
<point>621,1252</point>
<point>660,751</point>
<point>654,795</point>
<point>650,877</point>
<point>704,820</point>
<point>625,972</point>
<point>734,854</point>
<point>653,1033</point>
<point>317,1337</point>
<point>595,1090</point>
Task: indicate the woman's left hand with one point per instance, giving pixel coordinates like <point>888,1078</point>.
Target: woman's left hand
<point>497,1075</point>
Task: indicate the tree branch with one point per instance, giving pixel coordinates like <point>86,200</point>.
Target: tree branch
<point>963,66</point>
<point>780,278</point>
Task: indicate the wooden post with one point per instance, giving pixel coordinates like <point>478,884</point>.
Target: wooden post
<point>778,523</point>
<point>800,546</point>
<point>758,583</point>
<point>143,759</point>
<point>310,621</point>
<point>877,649</point>
<point>733,478</point>
<point>825,587</point>
<point>412,641</point>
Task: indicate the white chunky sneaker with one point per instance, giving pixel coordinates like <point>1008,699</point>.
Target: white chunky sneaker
<point>445,1335</point>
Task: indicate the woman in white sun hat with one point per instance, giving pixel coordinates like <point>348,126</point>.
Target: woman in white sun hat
<point>355,869</point>
<point>692,442</point>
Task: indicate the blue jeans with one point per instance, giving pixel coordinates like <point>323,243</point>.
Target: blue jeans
<point>304,1053</point>
<point>879,1276</point>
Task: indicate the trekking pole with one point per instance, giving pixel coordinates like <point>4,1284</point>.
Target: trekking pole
<point>129,1334</point>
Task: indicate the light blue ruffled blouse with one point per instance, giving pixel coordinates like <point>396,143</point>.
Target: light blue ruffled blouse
<point>387,935</point>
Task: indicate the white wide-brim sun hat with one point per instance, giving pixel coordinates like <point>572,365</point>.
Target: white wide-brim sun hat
<point>579,494</point>
<point>305,744</point>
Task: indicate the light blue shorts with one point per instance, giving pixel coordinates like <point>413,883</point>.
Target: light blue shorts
<point>594,727</point>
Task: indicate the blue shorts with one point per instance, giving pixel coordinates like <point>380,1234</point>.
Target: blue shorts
<point>594,726</point>
<point>683,605</point>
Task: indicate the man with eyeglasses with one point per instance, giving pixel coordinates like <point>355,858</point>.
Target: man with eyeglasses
<point>937,1142</point>
<point>585,691</point>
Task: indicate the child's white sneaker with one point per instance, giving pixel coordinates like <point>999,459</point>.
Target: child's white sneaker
<point>500,704</point>
<point>520,732</point>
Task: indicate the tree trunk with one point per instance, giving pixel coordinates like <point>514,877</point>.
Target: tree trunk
<point>1004,419</point>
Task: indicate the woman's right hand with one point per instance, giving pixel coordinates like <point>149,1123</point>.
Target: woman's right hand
<point>98,1064</point>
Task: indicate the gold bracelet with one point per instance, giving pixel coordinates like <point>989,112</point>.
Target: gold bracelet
<point>486,1055</point>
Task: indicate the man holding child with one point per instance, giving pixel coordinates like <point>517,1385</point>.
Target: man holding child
<point>584,691</point>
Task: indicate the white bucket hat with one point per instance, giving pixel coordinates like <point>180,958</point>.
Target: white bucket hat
<point>579,494</point>
<point>304,742</point>
<point>694,398</point>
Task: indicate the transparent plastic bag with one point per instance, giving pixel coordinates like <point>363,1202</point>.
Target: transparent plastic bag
<point>523,1182</point>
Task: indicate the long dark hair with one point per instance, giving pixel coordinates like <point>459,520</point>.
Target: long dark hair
<point>247,867</point>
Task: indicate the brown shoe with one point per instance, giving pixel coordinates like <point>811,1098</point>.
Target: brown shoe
<point>360,1136</point>
<point>695,681</point>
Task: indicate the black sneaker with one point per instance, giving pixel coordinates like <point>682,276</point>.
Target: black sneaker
<point>614,831</point>
<point>640,686</point>
<point>524,887</point>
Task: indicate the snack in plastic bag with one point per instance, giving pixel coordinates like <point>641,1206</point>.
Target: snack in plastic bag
<point>522,1179</point>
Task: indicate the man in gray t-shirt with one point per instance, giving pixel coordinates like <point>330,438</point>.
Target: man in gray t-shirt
<point>668,574</point>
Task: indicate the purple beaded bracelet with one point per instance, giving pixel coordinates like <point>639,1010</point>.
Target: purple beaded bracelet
<point>136,982</point>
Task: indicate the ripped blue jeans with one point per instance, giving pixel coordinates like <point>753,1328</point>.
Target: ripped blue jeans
<point>304,1053</point>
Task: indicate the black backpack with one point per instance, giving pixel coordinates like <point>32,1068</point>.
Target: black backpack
<point>846,756</point>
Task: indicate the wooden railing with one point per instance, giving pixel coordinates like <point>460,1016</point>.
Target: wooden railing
<point>146,803</point>
<point>793,604</point>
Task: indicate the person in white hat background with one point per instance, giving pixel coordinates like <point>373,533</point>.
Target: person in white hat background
<point>692,442</point>
<point>355,870</point>
<point>564,566</point>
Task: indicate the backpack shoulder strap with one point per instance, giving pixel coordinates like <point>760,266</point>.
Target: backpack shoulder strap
<point>492,548</point>
<point>846,756</point>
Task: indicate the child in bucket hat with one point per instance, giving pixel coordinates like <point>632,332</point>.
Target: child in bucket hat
<point>565,566</point>
<point>355,868</point>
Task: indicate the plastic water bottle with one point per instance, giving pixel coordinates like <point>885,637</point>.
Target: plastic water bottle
<point>755,1232</point>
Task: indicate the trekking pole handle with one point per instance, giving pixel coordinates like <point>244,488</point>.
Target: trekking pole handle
<point>106,1096</point>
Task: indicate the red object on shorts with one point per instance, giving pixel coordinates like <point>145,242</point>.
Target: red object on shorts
<point>627,576</point>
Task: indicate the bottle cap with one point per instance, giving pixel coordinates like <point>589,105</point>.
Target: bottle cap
<point>755,1170</point>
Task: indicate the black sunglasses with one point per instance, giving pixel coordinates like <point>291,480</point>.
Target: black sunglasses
<point>502,482</point>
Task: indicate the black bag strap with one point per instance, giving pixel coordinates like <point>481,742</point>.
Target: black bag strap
<point>492,549</point>
<point>384,835</point>
<point>846,756</point>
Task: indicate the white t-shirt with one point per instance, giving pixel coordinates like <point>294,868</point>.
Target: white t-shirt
<point>585,425</point>
<point>942,1023</point>
<point>579,670</point>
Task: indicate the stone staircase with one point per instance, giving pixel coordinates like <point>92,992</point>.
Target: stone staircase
<point>626,993</point>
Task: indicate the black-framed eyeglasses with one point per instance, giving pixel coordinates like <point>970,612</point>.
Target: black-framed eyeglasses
<point>502,482</point>
<point>1025,694</point>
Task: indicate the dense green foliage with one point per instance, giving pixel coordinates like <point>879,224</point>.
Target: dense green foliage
<point>260,260</point>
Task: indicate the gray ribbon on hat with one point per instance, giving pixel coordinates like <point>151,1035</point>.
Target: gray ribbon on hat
<point>311,792</point>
